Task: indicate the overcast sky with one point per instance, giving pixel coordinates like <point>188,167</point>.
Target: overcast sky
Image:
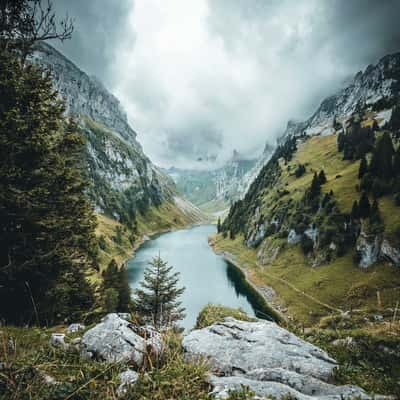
<point>200,78</point>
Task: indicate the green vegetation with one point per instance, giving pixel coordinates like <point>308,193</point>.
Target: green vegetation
<point>117,292</point>
<point>367,359</point>
<point>29,363</point>
<point>45,254</point>
<point>157,299</point>
<point>212,313</point>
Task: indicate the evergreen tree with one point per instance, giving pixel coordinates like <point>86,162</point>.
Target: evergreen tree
<point>396,163</point>
<point>364,206</point>
<point>116,278</point>
<point>363,167</point>
<point>315,188</point>
<point>124,291</point>
<point>355,211</point>
<point>47,236</point>
<point>381,162</point>
<point>157,300</point>
<point>322,177</point>
<point>219,225</point>
<point>26,22</point>
<point>375,216</point>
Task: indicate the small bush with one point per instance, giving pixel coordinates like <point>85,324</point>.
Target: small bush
<point>212,313</point>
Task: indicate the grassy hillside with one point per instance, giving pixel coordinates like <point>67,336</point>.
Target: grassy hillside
<point>310,293</point>
<point>118,242</point>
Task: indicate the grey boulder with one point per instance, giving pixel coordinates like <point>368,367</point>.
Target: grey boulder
<point>128,378</point>
<point>268,359</point>
<point>114,340</point>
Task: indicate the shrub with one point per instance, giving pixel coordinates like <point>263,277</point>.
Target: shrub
<point>212,313</point>
<point>306,244</point>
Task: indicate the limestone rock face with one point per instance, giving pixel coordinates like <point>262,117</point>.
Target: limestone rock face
<point>390,252</point>
<point>268,359</point>
<point>128,379</point>
<point>368,248</point>
<point>114,339</point>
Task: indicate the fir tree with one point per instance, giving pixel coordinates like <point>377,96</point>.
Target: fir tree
<point>355,211</point>
<point>219,225</point>
<point>322,177</point>
<point>315,188</point>
<point>363,167</point>
<point>364,206</point>
<point>396,163</point>
<point>157,300</point>
<point>381,162</point>
<point>47,239</point>
<point>116,278</point>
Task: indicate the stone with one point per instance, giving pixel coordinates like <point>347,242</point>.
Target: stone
<point>268,359</point>
<point>128,378</point>
<point>123,315</point>
<point>73,328</point>
<point>58,340</point>
<point>368,247</point>
<point>115,339</point>
<point>390,252</point>
<point>345,342</point>
<point>293,237</point>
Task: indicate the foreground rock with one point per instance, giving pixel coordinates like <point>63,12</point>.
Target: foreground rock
<point>268,359</point>
<point>114,339</point>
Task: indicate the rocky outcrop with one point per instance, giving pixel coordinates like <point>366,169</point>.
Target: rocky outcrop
<point>128,379</point>
<point>123,177</point>
<point>367,88</point>
<point>368,249</point>
<point>268,359</point>
<point>268,252</point>
<point>372,248</point>
<point>115,339</point>
<point>390,252</point>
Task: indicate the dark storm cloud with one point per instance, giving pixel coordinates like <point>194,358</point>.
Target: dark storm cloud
<point>98,26</point>
<point>204,77</point>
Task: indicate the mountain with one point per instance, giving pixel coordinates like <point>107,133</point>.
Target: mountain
<point>124,180</point>
<point>319,227</point>
<point>377,87</point>
<point>215,190</point>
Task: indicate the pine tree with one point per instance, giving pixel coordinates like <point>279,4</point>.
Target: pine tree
<point>364,206</point>
<point>381,162</point>
<point>124,291</point>
<point>363,167</point>
<point>322,177</point>
<point>315,188</point>
<point>396,163</point>
<point>116,278</point>
<point>375,216</point>
<point>219,225</point>
<point>157,300</point>
<point>47,239</point>
<point>355,211</point>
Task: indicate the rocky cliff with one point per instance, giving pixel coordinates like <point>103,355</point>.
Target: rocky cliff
<point>217,189</point>
<point>375,86</point>
<point>124,179</point>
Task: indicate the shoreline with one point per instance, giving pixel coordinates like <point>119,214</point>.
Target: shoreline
<point>150,235</point>
<point>231,259</point>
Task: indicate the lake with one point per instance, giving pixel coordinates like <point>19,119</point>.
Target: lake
<point>208,278</point>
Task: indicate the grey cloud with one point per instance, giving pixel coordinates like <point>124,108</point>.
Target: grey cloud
<point>202,78</point>
<point>98,26</point>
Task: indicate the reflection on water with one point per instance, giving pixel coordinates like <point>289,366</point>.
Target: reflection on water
<point>208,278</point>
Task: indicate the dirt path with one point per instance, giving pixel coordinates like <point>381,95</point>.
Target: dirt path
<point>232,259</point>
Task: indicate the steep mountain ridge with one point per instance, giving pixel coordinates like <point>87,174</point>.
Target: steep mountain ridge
<point>328,200</point>
<point>372,87</point>
<point>124,180</point>
<point>215,190</point>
